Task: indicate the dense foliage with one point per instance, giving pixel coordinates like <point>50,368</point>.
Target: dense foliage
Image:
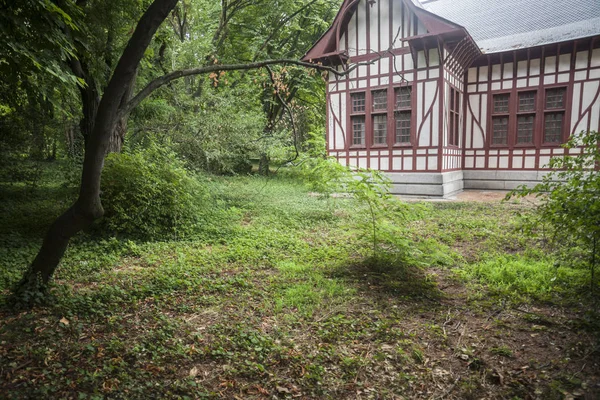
<point>52,83</point>
<point>148,193</point>
<point>569,196</point>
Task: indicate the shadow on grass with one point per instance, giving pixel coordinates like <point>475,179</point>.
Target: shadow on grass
<point>29,212</point>
<point>389,275</point>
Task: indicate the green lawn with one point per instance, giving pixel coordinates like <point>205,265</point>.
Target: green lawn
<point>280,296</point>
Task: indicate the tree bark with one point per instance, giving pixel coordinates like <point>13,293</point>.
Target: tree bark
<point>90,97</point>
<point>88,206</point>
<point>117,138</point>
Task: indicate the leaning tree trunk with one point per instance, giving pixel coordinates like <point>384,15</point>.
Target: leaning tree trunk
<point>117,138</point>
<point>88,207</point>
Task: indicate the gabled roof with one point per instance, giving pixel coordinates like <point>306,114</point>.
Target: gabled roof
<point>500,25</point>
<point>324,50</point>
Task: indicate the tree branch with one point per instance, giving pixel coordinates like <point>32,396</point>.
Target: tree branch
<point>280,25</point>
<point>163,80</point>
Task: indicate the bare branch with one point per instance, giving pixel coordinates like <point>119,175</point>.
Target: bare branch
<point>163,80</point>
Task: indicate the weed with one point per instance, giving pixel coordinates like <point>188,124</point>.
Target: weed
<point>503,351</point>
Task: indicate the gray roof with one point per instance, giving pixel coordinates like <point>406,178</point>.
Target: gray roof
<point>500,25</point>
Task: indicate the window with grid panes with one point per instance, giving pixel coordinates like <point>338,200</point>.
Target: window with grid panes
<point>403,127</point>
<point>358,108</point>
<point>526,101</point>
<point>358,102</point>
<point>358,130</point>
<point>525,128</point>
<point>500,114</point>
<point>555,98</point>
<point>525,117</point>
<point>554,112</point>
<point>453,134</point>
<point>499,130</point>
<point>380,129</point>
<point>501,102</point>
<point>402,114</point>
<point>379,116</point>
<point>379,100</point>
<point>553,128</point>
<point>403,97</point>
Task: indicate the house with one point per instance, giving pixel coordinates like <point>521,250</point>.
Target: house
<point>460,94</point>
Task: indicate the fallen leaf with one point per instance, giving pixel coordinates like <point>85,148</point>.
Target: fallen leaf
<point>282,389</point>
<point>64,321</point>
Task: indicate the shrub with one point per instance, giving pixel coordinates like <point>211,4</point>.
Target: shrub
<point>149,194</point>
<point>570,198</point>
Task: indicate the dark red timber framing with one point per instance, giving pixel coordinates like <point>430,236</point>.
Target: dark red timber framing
<point>422,32</point>
<point>402,47</point>
<point>533,75</point>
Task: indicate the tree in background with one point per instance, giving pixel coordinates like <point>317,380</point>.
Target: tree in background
<point>88,206</point>
<point>137,63</point>
<point>35,90</point>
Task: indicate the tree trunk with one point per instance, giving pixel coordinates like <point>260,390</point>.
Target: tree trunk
<point>90,100</point>
<point>263,165</point>
<point>115,144</point>
<point>88,207</point>
<point>90,97</point>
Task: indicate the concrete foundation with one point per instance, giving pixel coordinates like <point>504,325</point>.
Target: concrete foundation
<point>446,184</point>
<point>501,180</point>
<point>427,184</point>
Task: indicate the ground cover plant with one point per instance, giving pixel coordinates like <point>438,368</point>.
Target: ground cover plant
<point>281,298</point>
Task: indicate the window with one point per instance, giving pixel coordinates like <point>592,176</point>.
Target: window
<point>370,120</point>
<point>499,130</point>
<point>358,130</point>
<point>379,117</point>
<point>380,100</point>
<point>403,97</point>
<point>554,112</point>
<point>453,135</point>
<point>525,117</point>
<point>555,98</point>
<point>402,114</point>
<point>527,101</point>
<point>358,101</point>
<point>403,127</point>
<point>500,103</point>
<point>380,129</point>
<point>525,129</point>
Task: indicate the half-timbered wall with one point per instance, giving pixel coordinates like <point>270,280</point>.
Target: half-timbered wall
<point>369,33</point>
<point>456,136</point>
<point>453,82</point>
<point>573,69</point>
<point>378,27</point>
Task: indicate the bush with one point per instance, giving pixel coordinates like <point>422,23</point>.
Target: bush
<point>147,193</point>
<point>570,198</point>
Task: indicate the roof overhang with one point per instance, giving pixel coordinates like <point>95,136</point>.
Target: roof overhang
<point>325,50</point>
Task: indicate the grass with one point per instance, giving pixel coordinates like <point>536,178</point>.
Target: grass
<point>525,276</point>
<point>282,298</point>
